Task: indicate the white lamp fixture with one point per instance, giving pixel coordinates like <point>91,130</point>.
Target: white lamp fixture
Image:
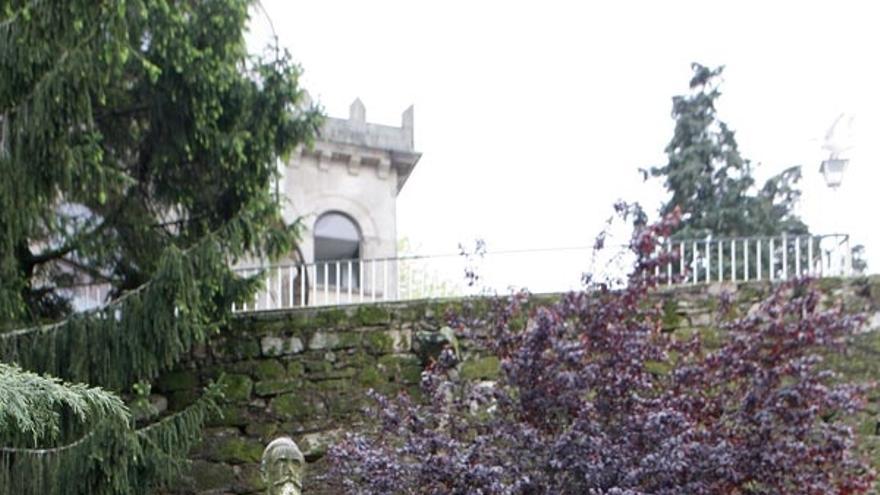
<point>832,169</point>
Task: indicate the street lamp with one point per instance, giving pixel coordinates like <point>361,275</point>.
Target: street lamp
<point>838,142</point>
<point>832,169</point>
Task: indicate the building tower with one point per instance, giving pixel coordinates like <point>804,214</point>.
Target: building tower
<point>344,189</point>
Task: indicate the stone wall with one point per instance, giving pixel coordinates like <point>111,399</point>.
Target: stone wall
<point>306,372</point>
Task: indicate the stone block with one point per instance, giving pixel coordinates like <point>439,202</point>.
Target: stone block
<point>207,476</point>
<point>268,388</point>
<point>372,315</point>
<point>484,368</point>
<point>315,445</point>
<point>236,387</point>
<point>178,380</point>
<point>269,369</point>
<point>297,405</point>
<point>237,450</point>
<point>278,346</point>
<point>322,340</point>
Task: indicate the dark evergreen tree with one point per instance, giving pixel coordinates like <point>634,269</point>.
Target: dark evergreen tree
<point>138,140</point>
<point>711,182</point>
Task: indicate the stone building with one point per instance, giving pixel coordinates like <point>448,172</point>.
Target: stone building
<point>344,189</point>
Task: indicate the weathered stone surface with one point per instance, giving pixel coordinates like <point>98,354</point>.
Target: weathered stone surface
<point>315,445</point>
<point>428,344</point>
<point>406,368</point>
<point>297,405</point>
<point>278,346</point>
<point>237,450</point>
<point>321,388</point>
<point>211,475</point>
<point>268,388</point>
<point>372,315</point>
<point>236,387</point>
<point>269,369</point>
<point>334,340</point>
<point>178,380</point>
<point>484,368</point>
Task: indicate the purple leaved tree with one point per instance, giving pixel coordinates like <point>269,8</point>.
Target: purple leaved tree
<point>594,397</point>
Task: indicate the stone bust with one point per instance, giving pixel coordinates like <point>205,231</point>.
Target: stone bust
<point>282,467</point>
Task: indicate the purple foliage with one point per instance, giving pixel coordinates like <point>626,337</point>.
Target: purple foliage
<point>594,397</point>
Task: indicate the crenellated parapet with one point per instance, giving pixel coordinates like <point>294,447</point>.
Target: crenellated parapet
<point>359,145</point>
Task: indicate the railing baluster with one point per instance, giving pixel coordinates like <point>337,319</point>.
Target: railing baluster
<point>290,282</point>
<point>784,257</point>
<point>771,260</point>
<point>733,260</point>
<point>303,275</point>
<point>681,261</point>
<point>694,258</point>
<point>797,256</point>
<point>656,264</point>
<point>720,260</point>
<point>361,281</point>
<point>338,283</point>
<point>758,258</point>
<point>708,261</point>
<point>668,262</point>
<point>746,259</point>
<point>811,267</point>
<point>349,282</point>
<point>279,275</point>
<point>373,281</point>
<point>326,282</point>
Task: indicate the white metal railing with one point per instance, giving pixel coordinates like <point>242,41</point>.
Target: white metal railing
<point>743,259</point>
<point>692,261</point>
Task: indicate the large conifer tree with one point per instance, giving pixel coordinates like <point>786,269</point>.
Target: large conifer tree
<point>138,140</point>
<point>711,182</point>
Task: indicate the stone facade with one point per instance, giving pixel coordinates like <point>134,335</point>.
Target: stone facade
<point>356,168</point>
<point>305,372</point>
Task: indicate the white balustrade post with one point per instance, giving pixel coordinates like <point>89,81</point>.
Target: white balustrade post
<point>361,281</point>
<point>326,282</point>
<point>811,267</point>
<point>656,265</point>
<point>338,274</point>
<point>385,280</point>
<point>350,279</point>
<point>303,275</point>
<point>797,257</point>
<point>708,260</point>
<point>279,283</point>
<point>733,260</point>
<point>771,260</point>
<point>784,257</point>
<point>696,267</point>
<point>746,259</point>
<point>681,261</point>
<point>758,257</point>
<point>290,283</point>
<point>847,260</point>
<point>373,281</point>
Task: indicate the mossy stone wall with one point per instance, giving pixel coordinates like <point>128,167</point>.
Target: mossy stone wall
<point>306,372</point>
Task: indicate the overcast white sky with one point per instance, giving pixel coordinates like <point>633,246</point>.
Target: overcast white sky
<point>534,117</point>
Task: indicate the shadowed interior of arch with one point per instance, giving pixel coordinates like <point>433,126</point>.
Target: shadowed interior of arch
<point>337,239</point>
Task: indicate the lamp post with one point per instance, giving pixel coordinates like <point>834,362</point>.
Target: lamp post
<point>838,140</point>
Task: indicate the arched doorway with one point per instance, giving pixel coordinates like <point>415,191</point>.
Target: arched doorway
<point>337,251</point>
